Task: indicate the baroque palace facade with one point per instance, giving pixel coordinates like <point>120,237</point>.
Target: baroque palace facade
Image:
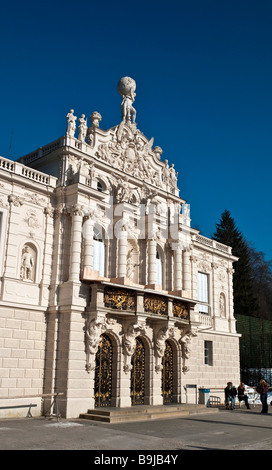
<point>107,294</point>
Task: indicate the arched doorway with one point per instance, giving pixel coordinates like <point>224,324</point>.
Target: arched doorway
<point>167,373</point>
<point>138,374</point>
<point>103,373</point>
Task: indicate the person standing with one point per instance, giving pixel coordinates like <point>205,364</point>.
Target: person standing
<point>262,389</point>
<point>230,395</point>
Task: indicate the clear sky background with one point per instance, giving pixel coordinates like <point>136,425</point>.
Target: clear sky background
<point>203,70</point>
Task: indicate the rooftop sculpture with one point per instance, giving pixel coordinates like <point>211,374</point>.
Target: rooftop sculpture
<point>126,87</point>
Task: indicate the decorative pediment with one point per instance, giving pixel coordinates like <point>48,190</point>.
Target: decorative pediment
<point>128,150</point>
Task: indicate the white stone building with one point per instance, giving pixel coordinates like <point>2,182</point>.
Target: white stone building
<point>107,294</point>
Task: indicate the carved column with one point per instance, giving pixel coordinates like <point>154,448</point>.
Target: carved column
<point>88,243</point>
<point>186,271</point>
<point>152,268</point>
<point>122,259</point>
<point>76,237</point>
<point>177,266</point>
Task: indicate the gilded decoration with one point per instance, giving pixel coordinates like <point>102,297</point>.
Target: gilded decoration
<point>138,374</point>
<point>180,310</point>
<point>167,373</point>
<point>155,304</point>
<point>103,373</point>
<point>120,299</point>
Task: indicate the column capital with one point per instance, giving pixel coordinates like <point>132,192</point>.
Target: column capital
<point>75,209</point>
<point>15,200</point>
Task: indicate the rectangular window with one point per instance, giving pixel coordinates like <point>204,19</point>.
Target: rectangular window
<point>203,293</point>
<point>99,257</point>
<point>208,353</point>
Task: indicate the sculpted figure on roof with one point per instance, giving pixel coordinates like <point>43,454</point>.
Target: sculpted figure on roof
<point>126,87</point>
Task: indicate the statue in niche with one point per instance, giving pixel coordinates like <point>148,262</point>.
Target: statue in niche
<point>27,264</point>
<point>222,309</point>
<point>131,265</point>
<point>82,128</point>
<point>126,87</point>
<point>71,123</point>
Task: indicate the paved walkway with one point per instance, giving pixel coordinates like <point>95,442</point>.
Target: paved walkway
<point>240,429</point>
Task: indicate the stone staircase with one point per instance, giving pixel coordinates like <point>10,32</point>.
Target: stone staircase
<point>145,413</point>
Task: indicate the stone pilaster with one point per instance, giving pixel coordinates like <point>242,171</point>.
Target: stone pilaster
<point>186,271</point>
<point>122,255</point>
<point>76,240</point>
<point>152,269</point>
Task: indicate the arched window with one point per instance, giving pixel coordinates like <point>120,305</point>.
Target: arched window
<point>159,268</point>
<point>98,252</point>
<point>100,186</point>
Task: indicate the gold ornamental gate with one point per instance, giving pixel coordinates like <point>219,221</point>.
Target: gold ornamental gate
<point>167,374</point>
<point>138,374</point>
<point>103,373</point>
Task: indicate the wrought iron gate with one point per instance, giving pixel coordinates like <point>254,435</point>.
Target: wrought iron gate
<point>138,374</point>
<point>167,374</point>
<point>103,373</point>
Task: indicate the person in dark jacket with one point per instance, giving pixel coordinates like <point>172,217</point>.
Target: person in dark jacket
<point>262,389</point>
<point>230,395</point>
<point>242,394</point>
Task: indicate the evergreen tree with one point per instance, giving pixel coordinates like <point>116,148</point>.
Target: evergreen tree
<point>262,282</point>
<point>243,291</point>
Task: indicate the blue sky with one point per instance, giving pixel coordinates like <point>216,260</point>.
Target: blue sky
<point>203,71</point>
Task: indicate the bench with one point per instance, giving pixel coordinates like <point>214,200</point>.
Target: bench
<point>31,405</point>
<point>29,415</point>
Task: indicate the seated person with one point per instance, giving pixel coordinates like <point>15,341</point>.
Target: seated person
<point>230,394</point>
<point>242,394</point>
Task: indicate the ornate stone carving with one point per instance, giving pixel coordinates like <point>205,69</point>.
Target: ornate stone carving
<point>131,265</point>
<point>123,191</point>
<point>126,87</point>
<point>185,342</point>
<point>94,329</point>
<point>35,199</point>
<point>27,264</point>
<point>222,305</point>
<point>160,348</point>
<point>50,211</point>
<point>129,342</point>
<point>32,220</point>
<point>82,128</point>
<point>71,123</point>
<point>204,264</point>
<point>131,152</point>
<point>15,200</point>
<point>76,209</point>
<point>95,119</point>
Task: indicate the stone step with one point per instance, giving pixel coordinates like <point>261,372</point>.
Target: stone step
<point>144,413</point>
